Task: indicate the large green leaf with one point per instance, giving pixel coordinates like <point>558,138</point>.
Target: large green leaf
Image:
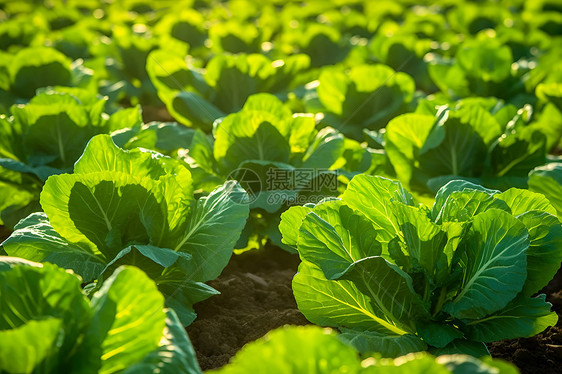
<point>45,305</point>
<point>183,89</point>
<point>372,196</point>
<point>169,73</point>
<point>438,334</point>
<point>336,303</point>
<point>463,347</point>
<point>405,137</point>
<point>89,208</point>
<point>101,154</point>
<point>310,349</point>
<point>127,321</point>
<point>463,205</point>
<point>456,153</point>
<point>272,110</point>
<point>86,206</point>
<point>35,239</point>
<point>212,229</point>
<point>390,290</point>
<point>495,269</point>
<point>291,220</point>
<point>301,130</point>
<point>57,328</point>
<point>30,292</point>
<point>324,149</point>
<point>522,317</point>
<point>175,354</point>
<point>30,346</point>
<point>302,349</point>
<point>235,78</point>
<point>518,153</point>
<point>521,201</point>
<point>265,144</point>
<point>482,114</point>
<point>442,196</point>
<point>37,67</point>
<point>331,90</point>
<point>488,61</point>
<point>333,237</point>
<point>414,363</point>
<point>388,345</point>
<point>544,255</point>
<point>260,131</point>
<point>367,96</point>
<point>56,127</point>
<point>461,364</point>
<point>552,92</point>
<point>424,239</point>
<point>125,118</point>
<point>193,110</point>
<point>174,180</point>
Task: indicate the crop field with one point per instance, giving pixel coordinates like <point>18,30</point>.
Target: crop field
<point>280,187</point>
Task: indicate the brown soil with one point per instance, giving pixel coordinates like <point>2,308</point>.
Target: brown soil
<point>257,297</point>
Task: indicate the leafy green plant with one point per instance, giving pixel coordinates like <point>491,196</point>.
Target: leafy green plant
<point>481,67</point>
<point>405,53</point>
<point>20,32</point>
<point>48,325</point>
<point>45,137</point>
<point>323,44</point>
<point>481,140</point>
<point>134,207</point>
<point>34,68</point>
<point>128,69</point>
<point>197,97</point>
<point>366,97</point>
<point>470,18</point>
<point>277,156</point>
<point>187,26</point>
<point>310,349</point>
<point>29,69</point>
<point>233,36</point>
<point>399,278</point>
<point>356,67</point>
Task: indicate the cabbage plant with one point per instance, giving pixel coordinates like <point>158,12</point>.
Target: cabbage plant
<point>49,325</point>
<point>397,277</point>
<point>134,208</point>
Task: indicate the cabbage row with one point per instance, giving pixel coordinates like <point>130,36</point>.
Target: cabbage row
<point>407,152</point>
